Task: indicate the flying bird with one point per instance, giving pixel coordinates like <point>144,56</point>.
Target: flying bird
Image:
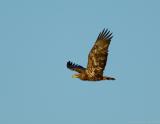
<point>97,60</point>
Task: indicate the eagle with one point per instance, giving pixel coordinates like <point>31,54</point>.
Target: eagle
<point>97,60</point>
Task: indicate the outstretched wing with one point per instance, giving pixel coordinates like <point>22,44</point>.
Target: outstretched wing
<point>97,57</point>
<point>75,67</point>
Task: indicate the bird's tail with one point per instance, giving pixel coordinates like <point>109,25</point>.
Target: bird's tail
<point>108,78</point>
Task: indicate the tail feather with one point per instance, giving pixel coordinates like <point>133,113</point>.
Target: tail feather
<point>108,78</point>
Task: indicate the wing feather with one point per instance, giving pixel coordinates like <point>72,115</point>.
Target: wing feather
<point>97,57</point>
<point>75,67</point>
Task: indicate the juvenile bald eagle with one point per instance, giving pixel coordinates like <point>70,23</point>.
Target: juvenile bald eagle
<point>97,59</point>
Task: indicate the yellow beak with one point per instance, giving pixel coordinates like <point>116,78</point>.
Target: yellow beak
<point>74,76</point>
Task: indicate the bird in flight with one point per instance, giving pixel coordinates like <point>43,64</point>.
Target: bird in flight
<point>97,59</point>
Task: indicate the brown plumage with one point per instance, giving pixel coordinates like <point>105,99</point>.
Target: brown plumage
<point>97,59</point>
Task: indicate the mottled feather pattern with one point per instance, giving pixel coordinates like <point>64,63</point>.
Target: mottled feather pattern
<point>75,67</point>
<point>97,57</point>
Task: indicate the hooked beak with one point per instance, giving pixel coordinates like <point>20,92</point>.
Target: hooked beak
<point>75,76</point>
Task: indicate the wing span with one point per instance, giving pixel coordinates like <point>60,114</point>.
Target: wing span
<point>75,67</point>
<point>97,57</point>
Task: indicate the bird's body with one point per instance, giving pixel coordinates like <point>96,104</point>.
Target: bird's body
<point>97,59</point>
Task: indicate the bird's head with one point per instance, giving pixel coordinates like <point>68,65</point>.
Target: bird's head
<point>81,76</point>
<point>76,76</point>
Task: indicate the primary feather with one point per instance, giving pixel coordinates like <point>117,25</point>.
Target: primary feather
<point>75,67</point>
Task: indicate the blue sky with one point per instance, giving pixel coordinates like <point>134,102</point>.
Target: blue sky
<point>39,37</point>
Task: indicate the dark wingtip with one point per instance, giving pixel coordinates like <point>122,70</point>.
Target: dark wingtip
<point>105,35</point>
<point>72,65</point>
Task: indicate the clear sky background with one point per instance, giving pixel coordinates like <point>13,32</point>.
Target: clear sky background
<point>38,37</point>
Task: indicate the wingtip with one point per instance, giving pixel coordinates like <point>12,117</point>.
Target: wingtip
<point>69,63</point>
<point>105,34</point>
